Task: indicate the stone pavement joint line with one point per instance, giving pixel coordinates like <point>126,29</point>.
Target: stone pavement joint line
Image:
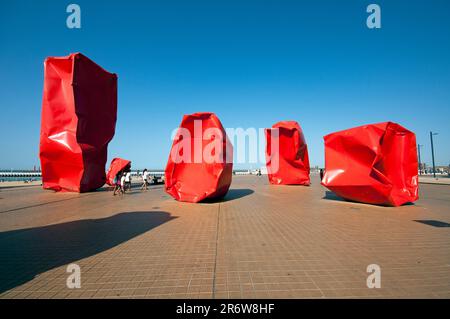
<point>215,256</point>
<point>260,241</point>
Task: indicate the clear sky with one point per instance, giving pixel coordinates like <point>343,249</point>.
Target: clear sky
<point>253,63</point>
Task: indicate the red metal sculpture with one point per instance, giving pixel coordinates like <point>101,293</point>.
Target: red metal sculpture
<point>287,154</point>
<point>78,121</point>
<point>375,164</point>
<point>117,165</point>
<point>200,164</point>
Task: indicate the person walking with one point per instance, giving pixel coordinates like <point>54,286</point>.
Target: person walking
<point>117,183</point>
<point>321,174</point>
<point>128,180</point>
<point>123,182</point>
<point>144,180</point>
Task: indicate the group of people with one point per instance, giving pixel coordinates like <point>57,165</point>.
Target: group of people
<point>123,181</point>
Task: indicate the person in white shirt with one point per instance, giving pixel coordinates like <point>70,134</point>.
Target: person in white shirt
<point>122,182</point>
<point>128,180</point>
<point>144,180</point>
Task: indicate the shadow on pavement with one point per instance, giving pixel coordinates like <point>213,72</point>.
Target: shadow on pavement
<point>434,223</point>
<point>26,253</point>
<point>231,195</point>
<point>332,196</point>
<point>237,193</point>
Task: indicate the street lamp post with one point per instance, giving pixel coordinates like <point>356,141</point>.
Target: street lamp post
<point>432,152</point>
<point>420,168</point>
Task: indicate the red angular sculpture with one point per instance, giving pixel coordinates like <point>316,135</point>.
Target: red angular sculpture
<point>200,164</point>
<point>374,164</point>
<point>287,154</point>
<point>78,121</point>
<point>117,165</point>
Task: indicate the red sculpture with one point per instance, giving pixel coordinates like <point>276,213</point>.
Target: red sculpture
<point>78,121</point>
<point>117,165</point>
<point>200,164</point>
<point>375,164</point>
<point>287,154</point>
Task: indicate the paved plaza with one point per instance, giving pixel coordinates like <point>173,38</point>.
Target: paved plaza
<point>261,241</point>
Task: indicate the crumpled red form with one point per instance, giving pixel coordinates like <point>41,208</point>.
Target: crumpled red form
<point>190,176</point>
<point>374,164</point>
<point>79,112</point>
<point>287,158</point>
<point>117,165</point>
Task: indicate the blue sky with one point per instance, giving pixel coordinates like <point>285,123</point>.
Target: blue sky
<point>253,63</point>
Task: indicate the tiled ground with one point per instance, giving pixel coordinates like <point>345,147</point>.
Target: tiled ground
<point>262,241</point>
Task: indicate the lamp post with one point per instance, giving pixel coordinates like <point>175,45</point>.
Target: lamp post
<point>420,165</point>
<point>432,152</point>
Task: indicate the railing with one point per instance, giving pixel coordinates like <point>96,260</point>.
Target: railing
<point>20,174</point>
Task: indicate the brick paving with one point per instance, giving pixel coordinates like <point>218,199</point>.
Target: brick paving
<point>261,241</point>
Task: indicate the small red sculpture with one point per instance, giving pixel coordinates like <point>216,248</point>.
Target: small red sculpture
<point>117,165</point>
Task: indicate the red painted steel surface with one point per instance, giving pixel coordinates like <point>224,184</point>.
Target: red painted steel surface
<point>375,164</point>
<point>191,177</point>
<point>287,164</point>
<point>117,165</point>
<point>78,121</point>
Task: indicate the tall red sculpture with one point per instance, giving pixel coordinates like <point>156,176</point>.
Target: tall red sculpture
<point>375,164</point>
<point>117,165</point>
<point>287,154</point>
<point>78,121</point>
<point>200,164</point>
